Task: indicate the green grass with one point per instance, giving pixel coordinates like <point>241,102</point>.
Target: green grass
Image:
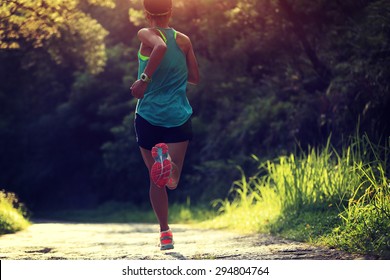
<point>12,214</point>
<point>321,196</point>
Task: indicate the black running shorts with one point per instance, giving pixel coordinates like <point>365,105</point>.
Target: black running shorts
<point>149,135</point>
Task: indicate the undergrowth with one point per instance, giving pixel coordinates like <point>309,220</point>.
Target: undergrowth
<point>320,196</point>
<point>13,215</point>
<point>116,212</point>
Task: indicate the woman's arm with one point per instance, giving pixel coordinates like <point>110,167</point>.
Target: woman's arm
<point>185,45</point>
<point>149,40</point>
<point>192,65</point>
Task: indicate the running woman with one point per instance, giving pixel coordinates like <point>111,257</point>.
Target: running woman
<point>167,63</point>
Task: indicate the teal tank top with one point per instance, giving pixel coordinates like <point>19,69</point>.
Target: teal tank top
<point>165,101</point>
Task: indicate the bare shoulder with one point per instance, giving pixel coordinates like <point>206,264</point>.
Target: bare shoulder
<point>182,36</point>
<point>183,41</point>
<point>146,32</point>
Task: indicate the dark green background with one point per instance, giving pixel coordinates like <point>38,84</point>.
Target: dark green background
<point>274,74</point>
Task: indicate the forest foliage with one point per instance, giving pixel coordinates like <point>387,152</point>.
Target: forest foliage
<point>274,74</point>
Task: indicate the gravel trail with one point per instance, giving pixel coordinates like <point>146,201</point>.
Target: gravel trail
<point>79,241</point>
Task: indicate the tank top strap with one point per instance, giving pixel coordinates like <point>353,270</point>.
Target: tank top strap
<point>162,35</point>
<point>166,33</point>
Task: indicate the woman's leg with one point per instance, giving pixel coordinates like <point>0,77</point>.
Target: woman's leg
<point>158,196</point>
<point>177,152</point>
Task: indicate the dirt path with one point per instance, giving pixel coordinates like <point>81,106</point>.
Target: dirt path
<point>54,241</point>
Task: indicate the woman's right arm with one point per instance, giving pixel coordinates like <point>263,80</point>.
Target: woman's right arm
<point>153,41</point>
<point>150,40</point>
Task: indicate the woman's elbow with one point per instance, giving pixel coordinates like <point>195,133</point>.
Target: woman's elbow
<point>194,80</point>
<point>161,48</point>
<point>193,77</point>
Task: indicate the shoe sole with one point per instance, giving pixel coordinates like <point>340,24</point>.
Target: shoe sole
<point>161,168</point>
<point>167,247</point>
<point>160,173</point>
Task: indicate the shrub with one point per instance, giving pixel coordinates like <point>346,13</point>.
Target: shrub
<point>13,214</point>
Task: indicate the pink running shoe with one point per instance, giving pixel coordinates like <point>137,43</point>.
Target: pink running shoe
<point>161,168</point>
<point>166,240</point>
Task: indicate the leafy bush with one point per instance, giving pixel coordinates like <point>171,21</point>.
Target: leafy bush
<point>12,213</point>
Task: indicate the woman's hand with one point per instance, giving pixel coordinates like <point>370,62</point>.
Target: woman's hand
<point>138,89</point>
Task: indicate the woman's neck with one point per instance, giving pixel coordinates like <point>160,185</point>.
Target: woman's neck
<point>159,26</point>
<point>159,23</point>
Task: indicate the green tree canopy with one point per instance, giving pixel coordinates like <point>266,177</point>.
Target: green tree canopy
<point>60,27</point>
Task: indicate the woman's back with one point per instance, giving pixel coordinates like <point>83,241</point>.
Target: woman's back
<point>165,102</point>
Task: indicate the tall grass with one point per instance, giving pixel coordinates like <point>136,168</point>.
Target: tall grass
<point>366,219</point>
<point>12,213</point>
<point>340,199</point>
